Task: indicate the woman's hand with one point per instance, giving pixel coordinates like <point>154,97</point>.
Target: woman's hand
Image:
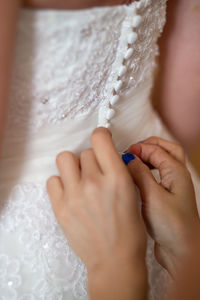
<point>96,204</point>
<point>169,207</point>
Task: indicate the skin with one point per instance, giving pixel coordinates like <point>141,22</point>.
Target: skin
<point>187,286</point>
<point>94,198</point>
<point>171,202</point>
<point>8,17</point>
<point>177,88</point>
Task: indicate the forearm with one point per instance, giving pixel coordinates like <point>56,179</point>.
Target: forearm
<point>118,281</point>
<point>186,283</point>
<point>8,18</point>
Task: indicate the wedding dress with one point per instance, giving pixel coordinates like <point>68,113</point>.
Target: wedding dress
<point>73,71</point>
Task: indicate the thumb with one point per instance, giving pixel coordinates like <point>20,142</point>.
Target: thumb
<point>170,169</point>
<point>141,175</point>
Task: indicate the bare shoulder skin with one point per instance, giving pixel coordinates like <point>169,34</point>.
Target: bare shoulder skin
<point>177,91</point>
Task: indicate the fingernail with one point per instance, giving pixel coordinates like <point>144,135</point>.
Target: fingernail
<point>128,157</point>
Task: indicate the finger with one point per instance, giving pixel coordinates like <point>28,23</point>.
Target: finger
<point>55,191</point>
<point>105,151</point>
<point>174,149</point>
<point>69,168</point>
<point>89,164</point>
<point>142,176</point>
<point>168,167</point>
<point>148,188</point>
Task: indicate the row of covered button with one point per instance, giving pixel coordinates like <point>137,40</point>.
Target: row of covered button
<point>132,37</point>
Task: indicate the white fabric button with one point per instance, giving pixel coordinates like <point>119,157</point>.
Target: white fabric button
<point>122,70</point>
<point>134,10</point>
<point>110,114</point>
<point>137,20</point>
<point>128,53</point>
<point>132,37</point>
<point>138,4</point>
<point>107,125</point>
<point>114,99</point>
<point>118,86</point>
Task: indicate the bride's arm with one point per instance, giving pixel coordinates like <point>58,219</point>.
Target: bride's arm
<point>178,85</point>
<point>8,19</point>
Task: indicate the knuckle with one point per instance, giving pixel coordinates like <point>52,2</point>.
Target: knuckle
<point>157,149</point>
<point>153,138</point>
<point>164,165</point>
<point>156,152</point>
<point>91,185</point>
<point>120,179</point>
<point>86,152</point>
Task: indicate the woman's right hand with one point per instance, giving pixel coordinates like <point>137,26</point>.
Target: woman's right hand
<point>96,205</point>
<point>169,207</point>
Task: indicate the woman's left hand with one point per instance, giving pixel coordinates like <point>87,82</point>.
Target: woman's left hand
<point>96,204</point>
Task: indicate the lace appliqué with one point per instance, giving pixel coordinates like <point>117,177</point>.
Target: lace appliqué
<point>62,68</point>
<point>70,69</point>
<point>42,265</point>
<point>10,279</point>
<point>48,264</point>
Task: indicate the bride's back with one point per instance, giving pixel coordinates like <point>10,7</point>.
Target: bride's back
<point>73,71</point>
<point>71,63</point>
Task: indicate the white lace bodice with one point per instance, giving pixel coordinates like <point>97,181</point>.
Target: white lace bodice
<point>79,54</point>
<point>73,71</point>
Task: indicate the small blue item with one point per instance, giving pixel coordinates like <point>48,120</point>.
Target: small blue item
<point>127,157</point>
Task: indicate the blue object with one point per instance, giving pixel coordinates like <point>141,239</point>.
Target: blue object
<point>128,157</point>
